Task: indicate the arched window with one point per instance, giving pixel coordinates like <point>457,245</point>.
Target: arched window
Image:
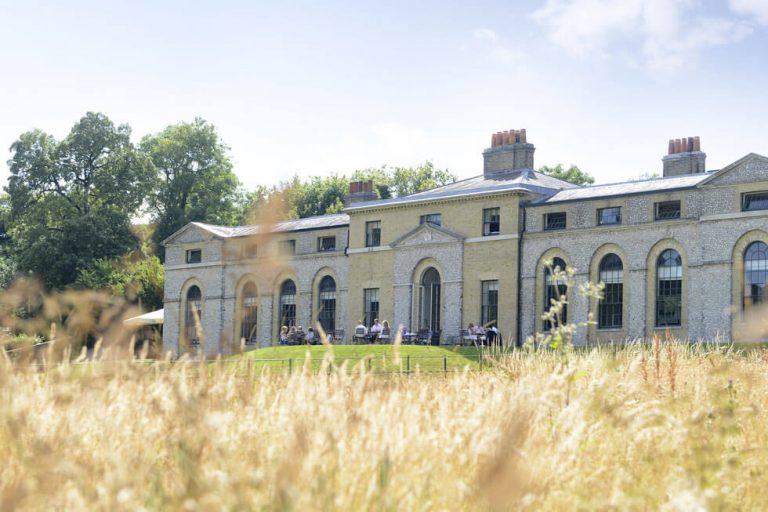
<point>553,290</point>
<point>249,309</point>
<point>669,289</point>
<point>288,303</point>
<point>327,304</point>
<point>610,310</point>
<point>194,316</point>
<point>429,301</point>
<point>755,274</point>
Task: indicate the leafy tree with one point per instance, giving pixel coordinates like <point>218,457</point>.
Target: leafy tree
<point>196,182</point>
<point>71,201</point>
<point>572,175</point>
<point>140,280</point>
<point>409,180</point>
<point>320,196</point>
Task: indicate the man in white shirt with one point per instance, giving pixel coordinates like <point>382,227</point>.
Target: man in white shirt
<point>376,329</point>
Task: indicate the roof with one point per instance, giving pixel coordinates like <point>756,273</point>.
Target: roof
<point>626,188</point>
<point>318,222</point>
<point>524,180</point>
<point>151,318</point>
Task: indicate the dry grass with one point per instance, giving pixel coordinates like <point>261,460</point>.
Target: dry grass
<point>550,431</point>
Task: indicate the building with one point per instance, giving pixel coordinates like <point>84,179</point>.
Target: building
<point>686,252</point>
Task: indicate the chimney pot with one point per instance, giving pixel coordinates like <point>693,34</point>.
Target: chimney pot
<point>685,145</point>
<point>671,147</point>
<point>523,136</point>
<point>696,143</point>
<point>678,145</point>
<point>493,141</point>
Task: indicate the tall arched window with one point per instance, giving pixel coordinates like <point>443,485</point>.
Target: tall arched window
<point>755,274</point>
<point>553,290</point>
<point>429,301</point>
<point>610,310</point>
<point>249,309</point>
<point>288,303</point>
<point>669,289</point>
<point>326,312</point>
<point>194,316</point>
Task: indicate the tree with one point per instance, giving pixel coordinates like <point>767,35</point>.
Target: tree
<point>137,280</point>
<point>409,180</point>
<point>381,178</point>
<point>572,175</point>
<point>71,201</point>
<point>196,182</point>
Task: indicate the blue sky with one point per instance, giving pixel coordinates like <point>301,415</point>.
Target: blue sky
<point>322,87</point>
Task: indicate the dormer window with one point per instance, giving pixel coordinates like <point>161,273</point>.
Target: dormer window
<point>194,255</point>
<point>606,216</point>
<point>431,218</point>
<point>554,221</point>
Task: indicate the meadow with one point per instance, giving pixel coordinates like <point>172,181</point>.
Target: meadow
<point>650,426</point>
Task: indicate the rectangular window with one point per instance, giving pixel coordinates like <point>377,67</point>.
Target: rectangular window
<point>370,305</point>
<point>431,218</point>
<point>491,221</point>
<point>667,210</point>
<point>326,244</point>
<point>754,201</point>
<point>607,216</point>
<point>194,256</point>
<point>249,250</point>
<point>489,309</point>
<point>554,221</point>
<point>373,233</point>
<point>286,247</point>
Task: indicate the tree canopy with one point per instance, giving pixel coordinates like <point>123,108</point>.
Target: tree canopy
<point>196,182</point>
<point>572,174</point>
<point>72,201</point>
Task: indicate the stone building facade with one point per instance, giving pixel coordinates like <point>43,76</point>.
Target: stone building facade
<point>686,252</point>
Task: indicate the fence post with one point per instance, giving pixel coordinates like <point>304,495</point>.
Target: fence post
<point>481,361</point>
<point>290,366</point>
<point>445,363</point>
<point>369,363</point>
<point>408,363</point>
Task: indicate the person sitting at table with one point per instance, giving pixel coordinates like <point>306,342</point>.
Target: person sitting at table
<point>310,338</point>
<point>493,333</point>
<point>361,331</point>
<point>283,335</point>
<point>375,330</point>
<point>477,330</point>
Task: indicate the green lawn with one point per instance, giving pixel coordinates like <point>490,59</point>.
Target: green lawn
<point>375,357</point>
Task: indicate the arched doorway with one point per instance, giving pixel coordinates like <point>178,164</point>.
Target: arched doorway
<point>326,308</point>
<point>429,302</point>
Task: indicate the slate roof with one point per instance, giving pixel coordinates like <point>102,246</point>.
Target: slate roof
<point>526,180</point>
<point>318,222</point>
<point>626,188</point>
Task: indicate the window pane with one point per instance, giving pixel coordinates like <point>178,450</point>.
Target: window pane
<point>668,210</point>
<point>370,305</point>
<point>553,290</point>
<point>610,308</point>
<point>373,233</point>
<point>194,256</point>
<point>489,313</point>
<point>755,274</point>
<point>609,216</point>
<point>248,312</point>
<point>288,304</point>
<point>432,218</point>
<point>491,221</point>
<point>554,221</point>
<point>755,201</point>
<point>669,289</point>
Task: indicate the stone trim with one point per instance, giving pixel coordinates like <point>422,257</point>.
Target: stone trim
<point>737,215</point>
<point>362,250</point>
<point>491,238</point>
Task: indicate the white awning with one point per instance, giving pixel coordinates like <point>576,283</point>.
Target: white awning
<point>151,318</point>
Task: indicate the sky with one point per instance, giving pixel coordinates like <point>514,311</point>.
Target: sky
<point>317,88</point>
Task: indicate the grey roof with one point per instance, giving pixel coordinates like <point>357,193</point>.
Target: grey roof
<point>318,222</point>
<point>526,180</point>
<point>626,188</point>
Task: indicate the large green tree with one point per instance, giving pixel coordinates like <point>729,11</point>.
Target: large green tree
<point>195,178</point>
<point>71,201</point>
<point>409,180</point>
<point>572,174</point>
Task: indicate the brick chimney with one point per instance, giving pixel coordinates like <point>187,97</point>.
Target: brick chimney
<point>509,151</point>
<point>360,191</point>
<point>684,156</point>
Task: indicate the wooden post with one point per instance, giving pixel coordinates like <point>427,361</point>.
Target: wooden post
<point>445,363</point>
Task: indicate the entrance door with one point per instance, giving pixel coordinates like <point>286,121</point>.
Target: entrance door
<point>429,308</point>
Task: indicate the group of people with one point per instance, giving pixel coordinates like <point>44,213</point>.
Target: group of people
<point>377,330</point>
<point>491,334</point>
<point>294,334</point>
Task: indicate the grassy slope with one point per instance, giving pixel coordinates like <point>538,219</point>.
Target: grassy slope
<point>427,358</point>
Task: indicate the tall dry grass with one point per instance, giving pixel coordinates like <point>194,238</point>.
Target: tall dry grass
<point>677,428</point>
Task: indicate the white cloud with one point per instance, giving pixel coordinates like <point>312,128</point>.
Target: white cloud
<point>484,33</point>
<point>667,33</point>
<point>756,8</point>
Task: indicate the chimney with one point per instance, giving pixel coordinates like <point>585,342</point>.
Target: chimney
<point>360,191</point>
<point>509,151</point>
<point>684,156</point>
